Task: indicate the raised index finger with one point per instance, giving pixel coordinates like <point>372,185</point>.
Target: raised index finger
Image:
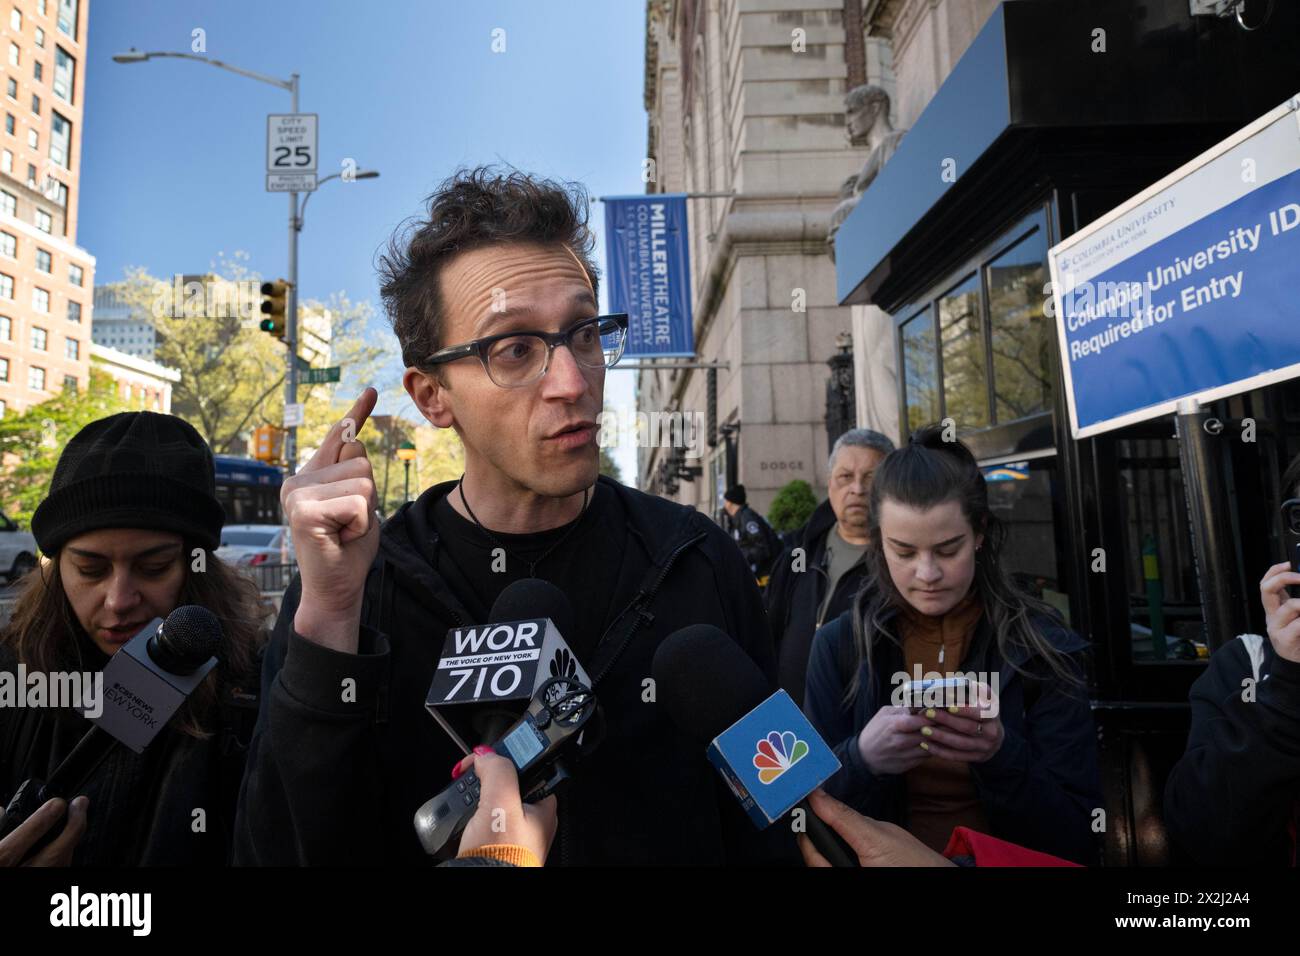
<point>328,452</point>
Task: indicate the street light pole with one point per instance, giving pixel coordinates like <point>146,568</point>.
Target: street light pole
<point>295,226</point>
<point>291,317</point>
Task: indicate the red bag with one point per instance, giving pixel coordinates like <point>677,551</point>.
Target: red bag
<point>990,851</point>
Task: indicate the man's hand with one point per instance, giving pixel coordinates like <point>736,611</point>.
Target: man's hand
<point>16,845</point>
<point>875,843</point>
<point>1281,611</point>
<point>502,817</point>
<point>330,508</point>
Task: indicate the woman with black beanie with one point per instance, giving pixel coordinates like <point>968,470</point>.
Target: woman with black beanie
<point>127,532</point>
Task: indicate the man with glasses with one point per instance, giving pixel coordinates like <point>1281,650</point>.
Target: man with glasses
<point>492,296</point>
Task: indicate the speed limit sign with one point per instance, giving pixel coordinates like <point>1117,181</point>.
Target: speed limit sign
<point>291,152</point>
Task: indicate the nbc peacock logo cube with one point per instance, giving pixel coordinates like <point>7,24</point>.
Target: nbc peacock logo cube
<point>777,753</point>
<point>772,758</point>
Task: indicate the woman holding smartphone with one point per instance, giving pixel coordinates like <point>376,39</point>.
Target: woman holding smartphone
<point>127,532</point>
<point>1015,756</point>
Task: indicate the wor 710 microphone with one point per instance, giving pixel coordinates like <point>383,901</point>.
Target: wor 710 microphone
<point>537,744</point>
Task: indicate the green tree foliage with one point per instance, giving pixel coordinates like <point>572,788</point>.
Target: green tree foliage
<point>232,373</point>
<point>30,443</point>
<point>608,466</point>
<point>792,506</point>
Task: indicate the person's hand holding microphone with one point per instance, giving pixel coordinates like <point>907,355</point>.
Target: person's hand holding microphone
<point>330,508</point>
<point>502,818</point>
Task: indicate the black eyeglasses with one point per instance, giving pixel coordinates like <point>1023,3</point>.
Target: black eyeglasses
<point>513,359</point>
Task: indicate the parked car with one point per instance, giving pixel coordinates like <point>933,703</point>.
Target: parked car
<point>17,550</point>
<point>254,545</point>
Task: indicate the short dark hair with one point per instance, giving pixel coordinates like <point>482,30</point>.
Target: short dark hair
<point>470,209</point>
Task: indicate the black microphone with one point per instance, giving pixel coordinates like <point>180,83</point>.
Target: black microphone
<point>488,673</point>
<point>145,683</point>
<point>708,685</point>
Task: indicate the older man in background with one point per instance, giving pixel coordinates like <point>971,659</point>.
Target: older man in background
<point>816,580</point>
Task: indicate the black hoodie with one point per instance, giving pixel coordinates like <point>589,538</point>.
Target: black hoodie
<point>334,781</point>
<point>1234,797</point>
<point>794,598</point>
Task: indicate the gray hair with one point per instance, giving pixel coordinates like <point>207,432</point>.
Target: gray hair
<point>860,438</point>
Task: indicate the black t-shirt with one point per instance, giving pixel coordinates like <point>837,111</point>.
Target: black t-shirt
<point>585,566</point>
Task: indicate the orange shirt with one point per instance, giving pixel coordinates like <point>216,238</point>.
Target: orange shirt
<point>940,793</point>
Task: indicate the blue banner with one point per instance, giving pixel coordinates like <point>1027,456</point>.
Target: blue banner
<point>649,266</point>
<point>1189,292</point>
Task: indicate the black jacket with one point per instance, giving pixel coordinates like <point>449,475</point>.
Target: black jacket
<point>794,598</point>
<point>1231,798</point>
<point>336,782</point>
<point>755,538</point>
<point>142,806</point>
<point>1039,790</point>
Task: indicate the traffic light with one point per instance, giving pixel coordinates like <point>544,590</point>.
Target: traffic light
<point>274,303</point>
<point>266,443</point>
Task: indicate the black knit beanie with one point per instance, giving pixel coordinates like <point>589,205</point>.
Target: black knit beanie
<point>736,495</point>
<point>132,470</point>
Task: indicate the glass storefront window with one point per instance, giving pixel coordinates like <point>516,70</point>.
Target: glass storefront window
<point>920,374</point>
<point>965,374</point>
<point>1021,333</point>
<point>1020,495</point>
<point>1159,568</point>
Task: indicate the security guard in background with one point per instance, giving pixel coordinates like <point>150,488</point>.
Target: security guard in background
<point>755,537</point>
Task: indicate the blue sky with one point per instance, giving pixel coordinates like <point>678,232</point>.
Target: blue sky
<point>173,160</point>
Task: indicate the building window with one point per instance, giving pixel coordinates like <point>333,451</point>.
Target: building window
<point>68,17</point>
<point>961,343</point>
<point>7,161</point>
<point>60,139</point>
<point>4,370</point>
<point>6,328</point>
<point>9,123</point>
<point>40,7</point>
<point>8,203</point>
<point>38,71</point>
<point>11,88</point>
<point>71,349</point>
<point>40,38</point>
<point>36,104</point>
<point>16,19</point>
<point>39,338</point>
<point>35,378</point>
<point>2,409</point>
<point>69,383</point>
<point>43,221</point>
<point>6,286</point>
<point>65,74</point>
<point>980,352</point>
<point>31,176</point>
<point>74,311</point>
<point>33,139</point>
<point>44,261</point>
<point>8,245</point>
<point>920,374</point>
<point>40,300</point>
<point>75,273</point>
<point>14,55</point>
